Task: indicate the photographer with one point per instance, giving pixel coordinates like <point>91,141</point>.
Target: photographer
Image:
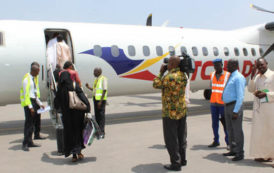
<point>174,110</point>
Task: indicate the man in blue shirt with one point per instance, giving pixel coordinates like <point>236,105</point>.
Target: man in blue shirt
<point>233,96</point>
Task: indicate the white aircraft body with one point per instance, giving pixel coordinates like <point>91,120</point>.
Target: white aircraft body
<point>130,56</point>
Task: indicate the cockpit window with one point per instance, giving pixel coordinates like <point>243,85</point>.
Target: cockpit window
<point>1,39</point>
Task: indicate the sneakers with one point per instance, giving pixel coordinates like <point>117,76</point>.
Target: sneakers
<point>214,144</point>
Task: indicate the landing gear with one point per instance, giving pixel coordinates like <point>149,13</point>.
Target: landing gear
<point>207,94</point>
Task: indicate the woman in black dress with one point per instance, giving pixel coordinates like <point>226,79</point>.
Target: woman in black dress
<point>73,120</point>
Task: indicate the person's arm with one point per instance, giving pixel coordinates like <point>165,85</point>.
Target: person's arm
<point>88,87</point>
<point>25,82</point>
<point>78,79</point>
<point>104,92</point>
<point>157,81</point>
<point>240,89</point>
<point>59,54</point>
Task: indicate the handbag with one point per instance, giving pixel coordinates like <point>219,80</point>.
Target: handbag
<point>75,102</point>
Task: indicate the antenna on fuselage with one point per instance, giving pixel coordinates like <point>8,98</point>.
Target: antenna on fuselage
<point>149,20</point>
<point>260,8</point>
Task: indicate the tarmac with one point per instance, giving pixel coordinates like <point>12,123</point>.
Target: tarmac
<point>133,143</point>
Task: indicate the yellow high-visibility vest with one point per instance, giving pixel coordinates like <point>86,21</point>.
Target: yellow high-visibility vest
<point>25,99</point>
<point>98,85</point>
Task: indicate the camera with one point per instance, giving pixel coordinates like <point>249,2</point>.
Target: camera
<point>187,64</point>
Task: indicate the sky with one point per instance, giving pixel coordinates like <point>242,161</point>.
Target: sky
<point>204,14</point>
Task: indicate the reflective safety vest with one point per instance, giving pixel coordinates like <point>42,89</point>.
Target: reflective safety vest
<point>98,85</point>
<point>217,87</point>
<point>25,98</point>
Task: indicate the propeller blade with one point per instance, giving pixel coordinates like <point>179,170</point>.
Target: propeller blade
<point>260,9</point>
<point>268,50</point>
<point>149,20</point>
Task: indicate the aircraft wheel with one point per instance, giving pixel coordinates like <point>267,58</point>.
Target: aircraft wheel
<point>207,94</point>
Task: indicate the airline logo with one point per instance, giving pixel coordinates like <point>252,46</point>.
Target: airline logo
<point>126,67</point>
<point>137,69</point>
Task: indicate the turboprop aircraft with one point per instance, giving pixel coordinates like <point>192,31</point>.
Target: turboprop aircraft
<point>130,56</point>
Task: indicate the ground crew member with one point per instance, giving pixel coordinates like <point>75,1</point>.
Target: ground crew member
<point>29,96</point>
<point>218,81</point>
<point>99,98</point>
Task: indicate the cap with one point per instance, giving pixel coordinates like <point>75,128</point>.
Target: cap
<point>217,60</point>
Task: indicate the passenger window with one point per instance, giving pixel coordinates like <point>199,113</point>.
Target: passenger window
<point>131,50</point>
<point>245,52</point>
<point>146,50</point>
<point>226,51</point>
<point>97,50</point>
<point>253,52</point>
<point>183,49</point>
<point>171,50</point>
<point>205,51</point>
<point>215,51</point>
<point>115,51</point>
<point>236,51</point>
<point>261,51</point>
<point>194,51</point>
<point>1,39</point>
<point>159,50</point>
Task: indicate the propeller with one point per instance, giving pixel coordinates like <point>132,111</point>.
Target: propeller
<point>260,9</point>
<point>268,50</point>
<point>149,20</point>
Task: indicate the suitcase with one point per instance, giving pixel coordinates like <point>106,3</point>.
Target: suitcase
<point>59,135</point>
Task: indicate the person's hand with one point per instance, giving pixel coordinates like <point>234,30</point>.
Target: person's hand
<point>260,94</point>
<point>32,111</point>
<point>163,68</point>
<point>234,116</point>
<point>99,104</point>
<point>42,106</point>
<point>253,71</point>
<point>87,85</point>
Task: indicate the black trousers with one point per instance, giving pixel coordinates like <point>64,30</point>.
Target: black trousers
<point>100,114</point>
<point>175,139</point>
<point>37,125</point>
<point>29,122</point>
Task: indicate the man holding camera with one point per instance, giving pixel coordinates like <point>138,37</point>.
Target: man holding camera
<point>174,111</point>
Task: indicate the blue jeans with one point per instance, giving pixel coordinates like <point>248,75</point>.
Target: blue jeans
<point>217,113</point>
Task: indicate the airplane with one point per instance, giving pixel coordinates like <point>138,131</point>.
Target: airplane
<point>130,56</point>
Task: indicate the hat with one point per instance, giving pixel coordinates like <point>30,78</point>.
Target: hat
<point>217,60</point>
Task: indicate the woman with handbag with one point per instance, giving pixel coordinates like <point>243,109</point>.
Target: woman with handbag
<point>73,119</point>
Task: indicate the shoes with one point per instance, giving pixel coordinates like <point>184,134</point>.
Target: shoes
<point>25,147</point>
<point>263,160</point>
<point>183,162</point>
<point>33,145</point>
<point>237,158</point>
<point>229,154</point>
<point>228,147</point>
<point>74,159</point>
<point>39,138</point>
<point>172,167</point>
<point>80,156</point>
<point>214,144</point>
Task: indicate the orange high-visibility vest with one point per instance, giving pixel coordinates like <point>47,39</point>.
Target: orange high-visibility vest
<point>217,87</point>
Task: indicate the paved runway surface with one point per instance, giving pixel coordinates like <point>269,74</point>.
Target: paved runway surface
<point>133,143</point>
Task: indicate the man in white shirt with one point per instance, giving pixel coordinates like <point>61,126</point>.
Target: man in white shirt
<point>29,96</point>
<point>63,52</point>
<point>262,133</point>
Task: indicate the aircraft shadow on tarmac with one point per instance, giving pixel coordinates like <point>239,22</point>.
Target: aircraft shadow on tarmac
<point>216,157</point>
<point>149,168</point>
<point>61,160</point>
